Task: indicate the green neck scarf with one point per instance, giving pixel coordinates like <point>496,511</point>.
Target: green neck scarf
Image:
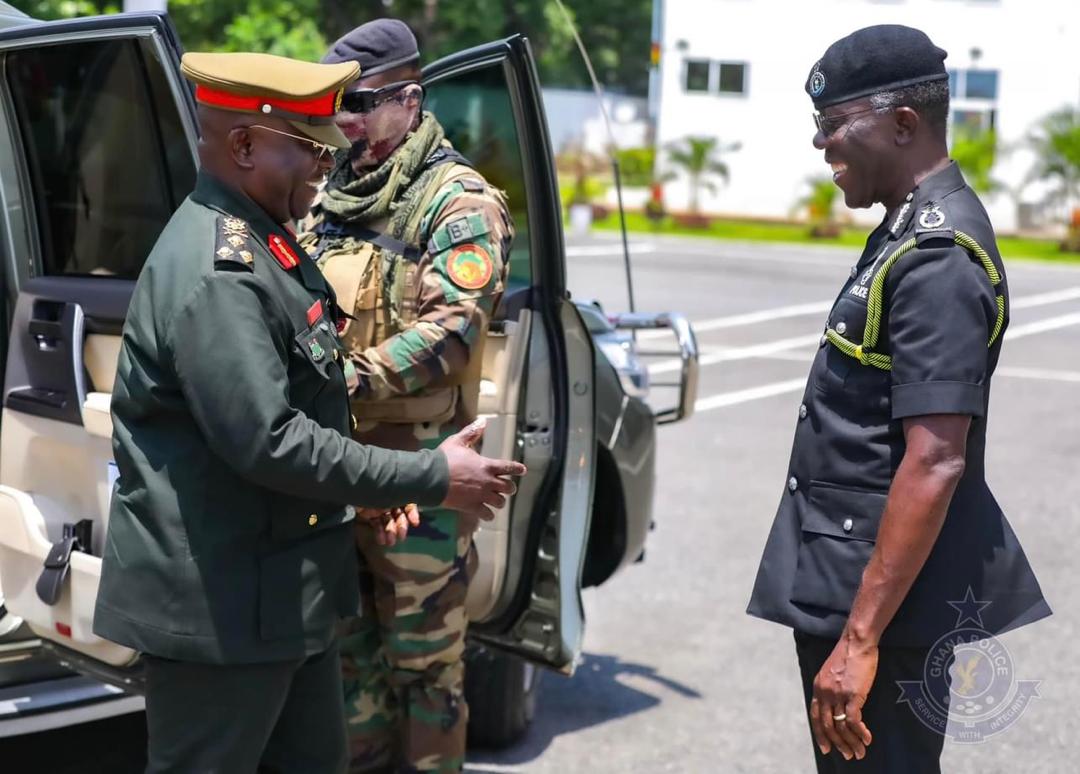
<point>378,193</point>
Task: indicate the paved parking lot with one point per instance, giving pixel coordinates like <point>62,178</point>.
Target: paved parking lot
<point>676,677</point>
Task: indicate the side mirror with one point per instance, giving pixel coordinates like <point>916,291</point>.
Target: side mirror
<point>649,327</point>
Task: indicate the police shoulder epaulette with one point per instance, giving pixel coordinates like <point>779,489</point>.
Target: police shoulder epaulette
<point>232,247</point>
<point>933,229</point>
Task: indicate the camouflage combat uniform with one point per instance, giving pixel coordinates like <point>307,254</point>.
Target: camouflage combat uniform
<point>421,311</point>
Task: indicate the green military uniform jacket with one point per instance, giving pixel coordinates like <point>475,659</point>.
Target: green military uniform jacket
<point>229,537</point>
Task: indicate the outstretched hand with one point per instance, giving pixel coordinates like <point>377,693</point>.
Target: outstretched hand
<point>477,484</point>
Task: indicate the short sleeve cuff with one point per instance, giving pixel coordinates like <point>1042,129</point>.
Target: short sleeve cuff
<point>921,398</point>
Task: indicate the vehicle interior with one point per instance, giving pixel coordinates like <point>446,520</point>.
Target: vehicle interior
<point>95,128</point>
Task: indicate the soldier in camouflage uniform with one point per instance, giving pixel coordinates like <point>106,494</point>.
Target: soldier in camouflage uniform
<point>413,240</point>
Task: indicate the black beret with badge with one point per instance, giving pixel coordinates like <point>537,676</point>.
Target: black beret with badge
<point>377,46</point>
<point>874,59</point>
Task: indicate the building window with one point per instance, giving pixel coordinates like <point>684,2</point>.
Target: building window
<point>981,84</point>
<point>732,78</point>
<point>697,74</point>
<point>709,76</point>
<point>973,84</point>
<point>973,121</point>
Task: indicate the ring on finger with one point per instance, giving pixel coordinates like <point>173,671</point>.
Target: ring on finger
<point>840,718</point>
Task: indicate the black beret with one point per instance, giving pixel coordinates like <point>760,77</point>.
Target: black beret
<point>379,45</point>
<point>872,60</point>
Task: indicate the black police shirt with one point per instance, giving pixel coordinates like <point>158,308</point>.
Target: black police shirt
<point>939,312</point>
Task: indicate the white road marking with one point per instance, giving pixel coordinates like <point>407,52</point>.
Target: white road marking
<point>736,353</point>
<point>749,318</point>
<point>1043,374</point>
<point>1041,299</point>
<point>753,393</point>
<point>1042,326</point>
<point>608,251</point>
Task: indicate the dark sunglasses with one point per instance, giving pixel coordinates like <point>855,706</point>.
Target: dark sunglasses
<point>366,100</point>
<point>829,124</point>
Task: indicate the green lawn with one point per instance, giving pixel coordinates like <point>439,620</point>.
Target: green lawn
<point>757,231</point>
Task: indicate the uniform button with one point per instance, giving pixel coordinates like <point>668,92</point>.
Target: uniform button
<point>841,327</point>
<point>848,525</point>
<point>352,419</point>
<point>854,271</point>
<point>324,327</point>
<point>803,411</point>
<point>824,340</point>
<point>336,355</point>
<point>313,519</point>
<point>792,484</point>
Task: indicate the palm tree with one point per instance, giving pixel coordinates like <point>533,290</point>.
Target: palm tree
<point>820,206</point>
<point>1056,142</point>
<point>976,153</point>
<point>699,159</point>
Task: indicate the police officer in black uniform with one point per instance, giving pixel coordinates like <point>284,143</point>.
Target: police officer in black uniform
<point>886,517</point>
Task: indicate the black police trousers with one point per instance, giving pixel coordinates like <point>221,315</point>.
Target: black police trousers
<point>275,718</point>
<point>902,744</point>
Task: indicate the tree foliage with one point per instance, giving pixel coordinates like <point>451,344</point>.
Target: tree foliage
<point>1056,142</point>
<point>976,152</point>
<point>699,158</point>
<point>615,32</point>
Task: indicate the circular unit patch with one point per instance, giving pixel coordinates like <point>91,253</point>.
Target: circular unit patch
<point>470,267</point>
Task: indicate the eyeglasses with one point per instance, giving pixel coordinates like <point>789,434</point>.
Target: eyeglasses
<point>829,124</point>
<point>366,100</point>
<point>319,148</point>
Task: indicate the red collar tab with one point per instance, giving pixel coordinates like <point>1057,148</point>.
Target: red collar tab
<point>314,313</point>
<point>282,253</point>
<point>323,106</point>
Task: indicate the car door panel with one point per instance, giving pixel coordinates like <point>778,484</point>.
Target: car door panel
<point>101,132</point>
<point>525,598</point>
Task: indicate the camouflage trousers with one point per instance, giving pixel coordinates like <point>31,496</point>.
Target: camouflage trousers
<point>402,658</point>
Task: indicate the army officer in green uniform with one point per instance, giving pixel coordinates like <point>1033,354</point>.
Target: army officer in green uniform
<point>230,556</point>
<point>887,537</point>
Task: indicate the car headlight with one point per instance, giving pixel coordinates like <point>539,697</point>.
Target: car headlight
<point>622,354</point>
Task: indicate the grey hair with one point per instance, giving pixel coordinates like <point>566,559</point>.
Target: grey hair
<point>929,99</point>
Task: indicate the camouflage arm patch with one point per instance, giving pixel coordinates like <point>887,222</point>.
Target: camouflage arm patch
<point>232,246</point>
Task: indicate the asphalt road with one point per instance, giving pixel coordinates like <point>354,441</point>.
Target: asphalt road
<point>675,677</point>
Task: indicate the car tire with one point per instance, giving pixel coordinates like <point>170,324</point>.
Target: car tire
<point>502,693</point>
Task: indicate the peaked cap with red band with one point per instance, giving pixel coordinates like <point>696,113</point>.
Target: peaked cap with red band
<point>305,94</point>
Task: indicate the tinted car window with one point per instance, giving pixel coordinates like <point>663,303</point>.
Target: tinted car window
<point>105,150</point>
<point>474,108</point>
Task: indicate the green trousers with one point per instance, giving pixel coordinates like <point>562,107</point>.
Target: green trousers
<point>274,718</point>
<point>402,658</point>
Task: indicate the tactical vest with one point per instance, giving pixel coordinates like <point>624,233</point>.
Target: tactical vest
<point>864,351</point>
<point>362,269</point>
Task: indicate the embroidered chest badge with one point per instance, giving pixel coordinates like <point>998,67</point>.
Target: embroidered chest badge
<point>470,267</point>
<point>317,352</point>
<point>282,253</point>
<point>931,217</point>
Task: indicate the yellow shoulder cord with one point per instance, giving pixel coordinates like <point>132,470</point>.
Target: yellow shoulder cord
<point>864,352</point>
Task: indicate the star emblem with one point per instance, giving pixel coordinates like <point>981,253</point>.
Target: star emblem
<point>969,609</point>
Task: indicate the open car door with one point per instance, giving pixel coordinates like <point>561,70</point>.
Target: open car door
<point>537,388</point>
<point>97,149</point>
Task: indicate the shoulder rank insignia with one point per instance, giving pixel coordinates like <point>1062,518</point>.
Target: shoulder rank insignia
<point>931,217</point>
<point>470,267</point>
<point>282,253</point>
<point>232,241</point>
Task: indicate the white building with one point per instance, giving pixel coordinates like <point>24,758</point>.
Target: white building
<point>735,69</point>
